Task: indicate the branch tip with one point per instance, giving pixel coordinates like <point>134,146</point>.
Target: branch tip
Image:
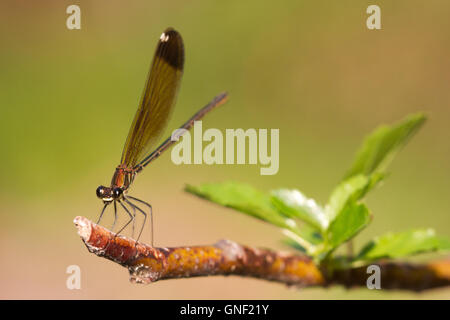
<point>84,227</point>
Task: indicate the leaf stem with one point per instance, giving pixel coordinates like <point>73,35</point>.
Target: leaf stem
<point>310,248</point>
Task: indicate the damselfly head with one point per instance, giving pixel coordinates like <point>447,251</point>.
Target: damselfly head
<point>108,194</point>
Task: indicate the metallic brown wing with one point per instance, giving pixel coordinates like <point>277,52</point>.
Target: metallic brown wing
<point>157,100</point>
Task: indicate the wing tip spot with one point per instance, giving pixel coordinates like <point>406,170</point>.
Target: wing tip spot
<point>164,37</point>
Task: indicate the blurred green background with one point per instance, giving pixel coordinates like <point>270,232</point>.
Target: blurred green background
<point>310,68</point>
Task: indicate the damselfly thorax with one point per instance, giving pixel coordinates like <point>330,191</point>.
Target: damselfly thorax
<point>121,180</point>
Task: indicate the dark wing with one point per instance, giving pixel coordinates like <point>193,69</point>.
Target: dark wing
<point>157,100</point>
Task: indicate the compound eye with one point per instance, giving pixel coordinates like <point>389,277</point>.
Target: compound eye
<point>100,191</point>
<point>117,192</point>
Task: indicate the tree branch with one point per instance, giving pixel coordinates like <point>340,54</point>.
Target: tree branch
<point>148,264</point>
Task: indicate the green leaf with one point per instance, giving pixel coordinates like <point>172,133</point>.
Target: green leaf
<point>395,245</point>
<point>349,191</point>
<point>294,204</point>
<point>311,234</point>
<point>246,199</point>
<point>380,147</point>
<point>310,238</point>
<point>294,244</point>
<point>443,244</point>
<point>353,218</point>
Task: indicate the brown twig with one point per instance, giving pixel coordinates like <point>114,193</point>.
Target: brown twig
<point>148,264</point>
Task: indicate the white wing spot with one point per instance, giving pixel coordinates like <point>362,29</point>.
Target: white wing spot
<point>164,37</point>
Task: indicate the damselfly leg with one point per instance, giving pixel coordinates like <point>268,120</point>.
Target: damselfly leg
<point>130,208</point>
<point>115,216</point>
<point>128,200</point>
<point>103,211</point>
<point>129,214</point>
